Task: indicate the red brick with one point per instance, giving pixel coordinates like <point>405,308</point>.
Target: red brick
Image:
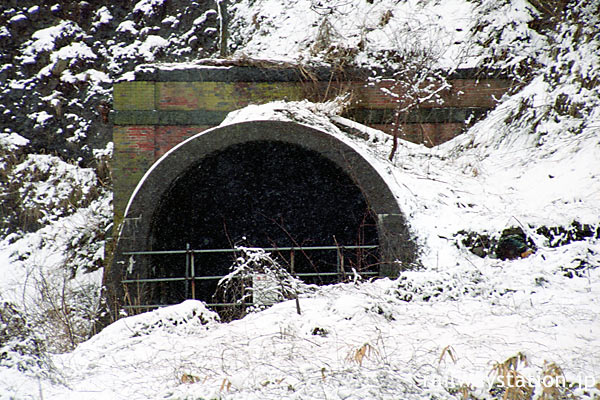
<point>428,134</point>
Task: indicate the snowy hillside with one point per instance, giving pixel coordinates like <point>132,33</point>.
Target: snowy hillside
<point>472,321</point>
<point>58,62</point>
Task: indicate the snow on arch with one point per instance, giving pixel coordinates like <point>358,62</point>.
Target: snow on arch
<point>365,171</point>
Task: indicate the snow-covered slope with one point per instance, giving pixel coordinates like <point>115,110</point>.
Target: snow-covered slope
<point>58,61</point>
<point>353,32</point>
<point>444,330</point>
<point>437,331</point>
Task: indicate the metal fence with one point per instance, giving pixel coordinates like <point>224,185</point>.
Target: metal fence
<point>191,276</point>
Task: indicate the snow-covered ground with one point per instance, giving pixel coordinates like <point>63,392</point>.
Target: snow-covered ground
<point>443,330</point>
<point>426,334</point>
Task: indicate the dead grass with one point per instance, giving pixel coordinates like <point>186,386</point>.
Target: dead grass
<point>366,351</point>
<point>553,381</point>
<point>448,350</point>
<point>515,385</point>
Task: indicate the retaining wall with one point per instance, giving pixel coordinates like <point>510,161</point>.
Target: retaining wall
<point>164,105</point>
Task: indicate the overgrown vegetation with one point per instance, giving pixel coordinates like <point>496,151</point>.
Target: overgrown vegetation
<point>61,104</point>
<point>514,242</point>
<point>58,61</point>
<point>57,65</point>
<point>256,281</point>
<point>20,346</point>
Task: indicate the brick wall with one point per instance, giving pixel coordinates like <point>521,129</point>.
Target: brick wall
<point>427,134</point>
<point>463,93</point>
<point>133,155</point>
<point>167,137</point>
<point>163,108</point>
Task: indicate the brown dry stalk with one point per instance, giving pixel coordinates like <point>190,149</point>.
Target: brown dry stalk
<point>465,391</point>
<point>364,351</point>
<point>516,386</point>
<point>188,378</point>
<point>226,384</point>
<point>552,379</point>
<point>451,353</point>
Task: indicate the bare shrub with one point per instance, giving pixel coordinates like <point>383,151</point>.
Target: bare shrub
<point>64,309</point>
<point>514,385</point>
<point>20,346</point>
<point>259,280</point>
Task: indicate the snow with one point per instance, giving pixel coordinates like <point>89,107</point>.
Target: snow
<point>484,310</point>
<point>145,49</point>
<point>12,140</point>
<point>127,26</point>
<point>432,332</point>
<point>183,66</point>
<point>23,260</point>
<point>69,55</point>
<point>202,19</point>
<point>266,29</point>
<point>4,33</point>
<point>147,6</point>
<point>170,21</point>
<point>151,45</point>
<point>41,117</point>
<point>17,18</point>
<point>280,354</point>
<point>77,50</point>
<point>92,75</point>
<point>103,17</point>
<point>44,40</point>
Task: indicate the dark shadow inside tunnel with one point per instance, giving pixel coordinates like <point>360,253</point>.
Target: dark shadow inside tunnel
<point>260,194</point>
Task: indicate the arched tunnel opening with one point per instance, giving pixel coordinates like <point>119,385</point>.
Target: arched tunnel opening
<point>267,194</point>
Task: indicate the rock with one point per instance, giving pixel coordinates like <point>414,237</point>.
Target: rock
<point>513,244</point>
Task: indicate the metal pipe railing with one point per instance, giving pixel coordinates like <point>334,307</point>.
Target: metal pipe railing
<point>190,268</point>
<point>302,248</point>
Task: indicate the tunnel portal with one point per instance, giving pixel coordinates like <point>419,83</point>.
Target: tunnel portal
<point>267,194</point>
<point>256,184</point>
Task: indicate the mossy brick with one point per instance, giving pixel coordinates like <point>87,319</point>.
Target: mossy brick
<point>439,115</point>
<point>223,96</point>
<point>136,117</point>
<point>127,176</point>
<point>427,134</point>
<point>153,116</point>
<point>462,93</point>
<point>476,93</point>
<point>137,96</point>
<point>168,137</point>
<point>134,154</point>
<point>263,92</point>
<point>191,117</point>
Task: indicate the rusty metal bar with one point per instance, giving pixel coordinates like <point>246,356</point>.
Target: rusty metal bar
<point>187,270</point>
<point>190,273</point>
<point>193,277</point>
<point>153,280</point>
<point>215,277</point>
<point>150,252</point>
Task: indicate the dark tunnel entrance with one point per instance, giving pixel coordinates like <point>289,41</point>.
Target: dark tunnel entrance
<point>260,194</point>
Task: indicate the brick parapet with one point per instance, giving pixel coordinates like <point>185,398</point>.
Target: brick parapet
<point>152,116</point>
